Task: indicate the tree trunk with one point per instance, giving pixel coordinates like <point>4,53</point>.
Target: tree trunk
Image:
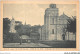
<point>21,41</point>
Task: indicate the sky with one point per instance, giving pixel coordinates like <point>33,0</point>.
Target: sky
<point>33,14</point>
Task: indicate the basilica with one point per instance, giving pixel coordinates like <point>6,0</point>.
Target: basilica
<point>54,27</point>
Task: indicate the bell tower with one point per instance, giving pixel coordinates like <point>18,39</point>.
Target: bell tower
<point>50,22</point>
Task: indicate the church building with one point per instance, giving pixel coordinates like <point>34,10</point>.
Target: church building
<point>54,25</point>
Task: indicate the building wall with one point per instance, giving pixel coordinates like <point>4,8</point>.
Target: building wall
<point>55,26</point>
<point>50,19</point>
<point>42,33</point>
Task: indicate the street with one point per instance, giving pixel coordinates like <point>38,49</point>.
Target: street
<point>15,45</point>
<point>42,44</point>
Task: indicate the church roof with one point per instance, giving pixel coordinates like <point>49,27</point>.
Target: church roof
<point>64,16</point>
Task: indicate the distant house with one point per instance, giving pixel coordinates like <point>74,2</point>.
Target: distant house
<point>25,37</point>
<point>34,37</point>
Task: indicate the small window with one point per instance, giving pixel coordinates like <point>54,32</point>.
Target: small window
<point>52,20</point>
<point>52,31</point>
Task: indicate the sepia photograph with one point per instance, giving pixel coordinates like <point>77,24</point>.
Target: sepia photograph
<point>39,25</point>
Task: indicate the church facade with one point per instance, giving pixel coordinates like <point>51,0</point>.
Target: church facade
<point>54,25</point>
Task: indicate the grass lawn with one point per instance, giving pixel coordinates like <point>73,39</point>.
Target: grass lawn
<point>43,44</point>
<point>60,44</point>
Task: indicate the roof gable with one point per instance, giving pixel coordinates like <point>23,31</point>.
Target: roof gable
<point>64,16</point>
